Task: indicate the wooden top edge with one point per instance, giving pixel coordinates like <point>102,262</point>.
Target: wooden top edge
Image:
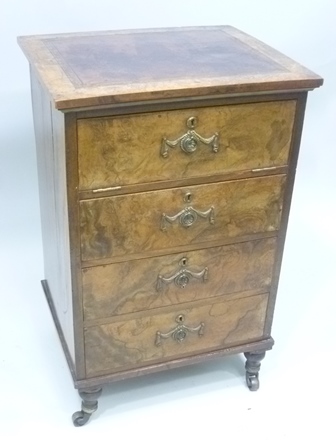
<point>66,95</point>
<point>65,104</point>
<point>123,31</point>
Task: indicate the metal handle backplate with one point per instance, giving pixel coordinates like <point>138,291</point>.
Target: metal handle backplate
<point>188,216</point>
<point>180,332</point>
<point>189,141</point>
<point>182,277</point>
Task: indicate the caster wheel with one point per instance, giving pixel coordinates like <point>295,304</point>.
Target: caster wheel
<point>252,382</point>
<point>80,418</point>
<point>89,405</point>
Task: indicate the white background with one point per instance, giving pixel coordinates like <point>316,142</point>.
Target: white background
<point>206,405</point>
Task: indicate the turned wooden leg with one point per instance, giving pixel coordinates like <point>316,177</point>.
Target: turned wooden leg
<point>252,367</point>
<point>89,405</point>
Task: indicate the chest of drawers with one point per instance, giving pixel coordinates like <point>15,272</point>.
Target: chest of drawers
<point>166,162</point>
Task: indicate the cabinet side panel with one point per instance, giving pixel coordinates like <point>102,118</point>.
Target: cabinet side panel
<point>293,158</point>
<point>50,147</point>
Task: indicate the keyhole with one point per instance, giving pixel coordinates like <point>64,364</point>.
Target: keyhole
<point>179,319</point>
<point>192,122</point>
<point>184,261</point>
<point>188,197</point>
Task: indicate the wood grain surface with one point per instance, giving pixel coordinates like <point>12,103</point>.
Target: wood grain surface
<point>122,93</point>
<point>131,286</point>
<point>109,67</point>
<point>50,149</point>
<point>115,151</point>
<point>131,223</point>
<point>131,343</point>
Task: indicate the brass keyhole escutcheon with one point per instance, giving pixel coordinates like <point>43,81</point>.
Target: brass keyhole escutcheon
<point>192,122</point>
<point>183,261</point>
<point>188,197</point>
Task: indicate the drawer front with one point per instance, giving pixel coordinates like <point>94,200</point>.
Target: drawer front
<point>143,222</point>
<point>132,286</point>
<point>115,151</point>
<point>131,343</point>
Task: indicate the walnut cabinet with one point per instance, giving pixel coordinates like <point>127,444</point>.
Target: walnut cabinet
<point>166,163</point>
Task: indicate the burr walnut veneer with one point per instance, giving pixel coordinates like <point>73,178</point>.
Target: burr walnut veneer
<point>166,162</point>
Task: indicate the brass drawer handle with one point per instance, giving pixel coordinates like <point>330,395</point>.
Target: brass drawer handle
<point>190,140</point>
<point>188,216</point>
<point>182,277</point>
<point>180,332</point>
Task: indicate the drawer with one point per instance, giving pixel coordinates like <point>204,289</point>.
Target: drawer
<point>137,285</point>
<point>156,220</point>
<point>126,150</point>
<point>170,335</point>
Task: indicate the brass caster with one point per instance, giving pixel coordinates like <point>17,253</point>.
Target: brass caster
<point>89,406</point>
<point>252,366</point>
<point>80,418</point>
<point>252,382</point>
